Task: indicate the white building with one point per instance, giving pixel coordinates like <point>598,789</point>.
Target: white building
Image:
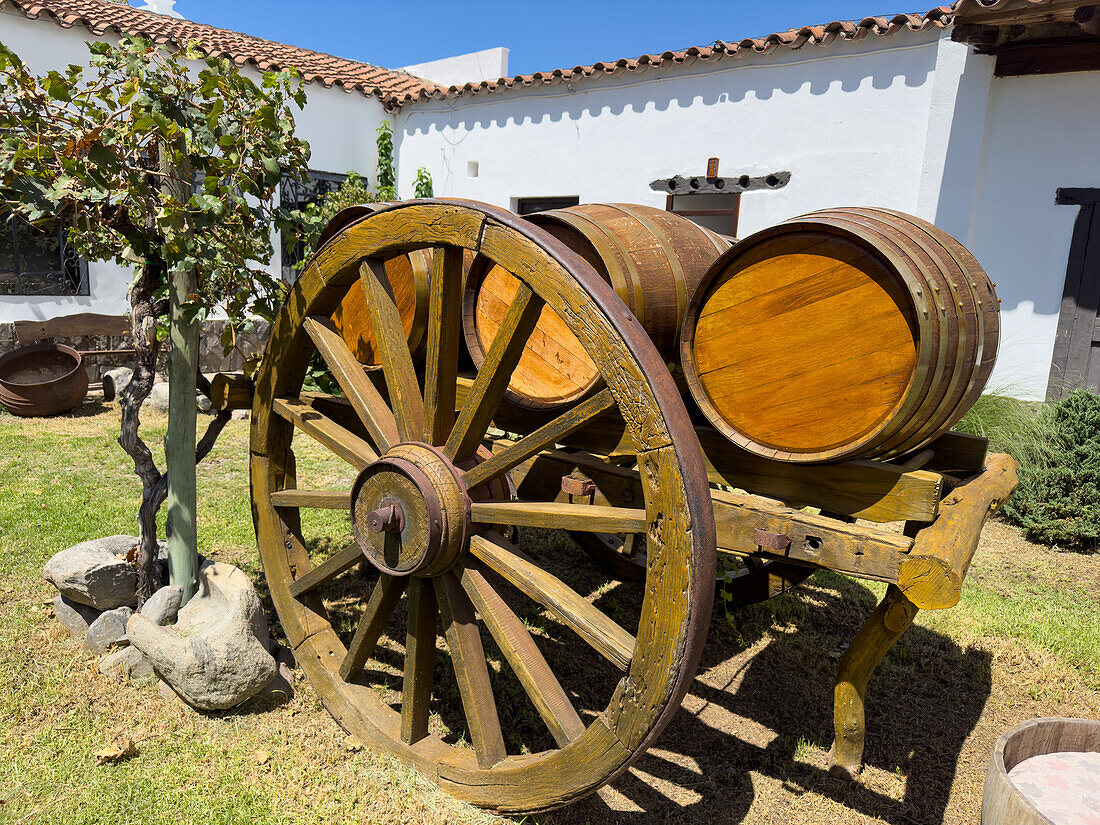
<point>972,117</point>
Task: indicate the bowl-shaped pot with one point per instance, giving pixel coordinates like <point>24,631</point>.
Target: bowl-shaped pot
<point>42,379</point>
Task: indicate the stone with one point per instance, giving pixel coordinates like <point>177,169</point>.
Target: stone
<point>108,631</point>
<point>75,616</point>
<point>215,657</point>
<point>158,399</point>
<point>164,605</point>
<point>115,381</point>
<point>239,415</point>
<point>92,573</point>
<point>128,662</point>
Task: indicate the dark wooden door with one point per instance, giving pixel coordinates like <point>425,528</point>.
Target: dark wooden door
<point>1076,361</point>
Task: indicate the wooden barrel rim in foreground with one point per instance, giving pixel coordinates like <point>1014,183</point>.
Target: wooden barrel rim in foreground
<point>897,279</point>
<point>1003,803</point>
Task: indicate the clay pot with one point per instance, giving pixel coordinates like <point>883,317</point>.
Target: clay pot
<point>42,379</point>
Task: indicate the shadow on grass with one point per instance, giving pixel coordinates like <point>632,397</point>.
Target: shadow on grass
<point>89,409</point>
<point>922,703</point>
<point>761,702</point>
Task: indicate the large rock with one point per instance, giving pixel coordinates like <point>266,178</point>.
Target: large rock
<point>75,616</point>
<point>108,631</point>
<point>215,656</point>
<point>158,399</point>
<point>163,606</point>
<point>92,573</point>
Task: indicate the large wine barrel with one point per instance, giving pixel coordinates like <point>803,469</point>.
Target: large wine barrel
<point>408,275</point>
<point>653,259</point>
<point>840,334</point>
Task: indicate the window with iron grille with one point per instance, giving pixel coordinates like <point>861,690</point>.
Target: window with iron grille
<point>33,262</point>
<point>294,194</point>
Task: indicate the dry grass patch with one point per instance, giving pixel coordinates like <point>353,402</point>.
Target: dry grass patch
<point>750,745</point>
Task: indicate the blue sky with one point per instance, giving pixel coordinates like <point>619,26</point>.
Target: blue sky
<point>541,35</point>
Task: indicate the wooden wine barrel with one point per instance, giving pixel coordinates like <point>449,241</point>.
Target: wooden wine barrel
<point>840,334</point>
<point>1041,772</point>
<point>408,275</point>
<point>652,258</point>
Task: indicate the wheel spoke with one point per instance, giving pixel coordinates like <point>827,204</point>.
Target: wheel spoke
<point>383,600</point>
<point>393,350</point>
<point>588,518</point>
<point>327,571</point>
<point>471,670</point>
<point>493,376</point>
<point>316,499</point>
<point>584,618</point>
<point>419,660</point>
<point>342,442</point>
<point>540,439</point>
<point>444,337</point>
<point>523,655</point>
<point>358,388</point>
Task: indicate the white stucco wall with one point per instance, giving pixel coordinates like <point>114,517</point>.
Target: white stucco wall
<point>1040,135</point>
<point>849,122</point>
<point>339,126</point>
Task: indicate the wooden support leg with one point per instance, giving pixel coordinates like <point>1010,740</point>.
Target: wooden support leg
<point>878,634</point>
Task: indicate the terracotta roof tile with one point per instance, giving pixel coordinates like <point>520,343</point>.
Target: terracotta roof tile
<point>101,16</point>
<point>822,35</point>
<point>396,88</point>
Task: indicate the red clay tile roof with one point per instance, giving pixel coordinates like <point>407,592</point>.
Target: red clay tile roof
<point>100,16</point>
<point>939,17</point>
<point>396,88</point>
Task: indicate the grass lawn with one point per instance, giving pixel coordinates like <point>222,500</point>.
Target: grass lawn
<point>749,745</point>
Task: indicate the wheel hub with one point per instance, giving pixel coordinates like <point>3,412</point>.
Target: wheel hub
<point>410,511</point>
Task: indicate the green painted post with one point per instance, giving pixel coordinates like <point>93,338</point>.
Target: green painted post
<point>179,444</point>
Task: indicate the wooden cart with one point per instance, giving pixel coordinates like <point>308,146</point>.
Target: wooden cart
<point>447,471</point>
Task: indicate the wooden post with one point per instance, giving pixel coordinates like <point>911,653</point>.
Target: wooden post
<point>890,619</point>
<point>179,444</point>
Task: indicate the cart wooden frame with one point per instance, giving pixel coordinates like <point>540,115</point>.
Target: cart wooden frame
<point>437,488</point>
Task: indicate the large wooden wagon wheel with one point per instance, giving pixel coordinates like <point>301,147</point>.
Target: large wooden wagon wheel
<point>427,499</point>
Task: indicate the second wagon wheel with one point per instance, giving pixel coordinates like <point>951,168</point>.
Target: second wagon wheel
<point>426,499</point>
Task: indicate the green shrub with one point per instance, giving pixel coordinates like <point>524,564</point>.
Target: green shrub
<point>1012,425</point>
<point>1058,448</point>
